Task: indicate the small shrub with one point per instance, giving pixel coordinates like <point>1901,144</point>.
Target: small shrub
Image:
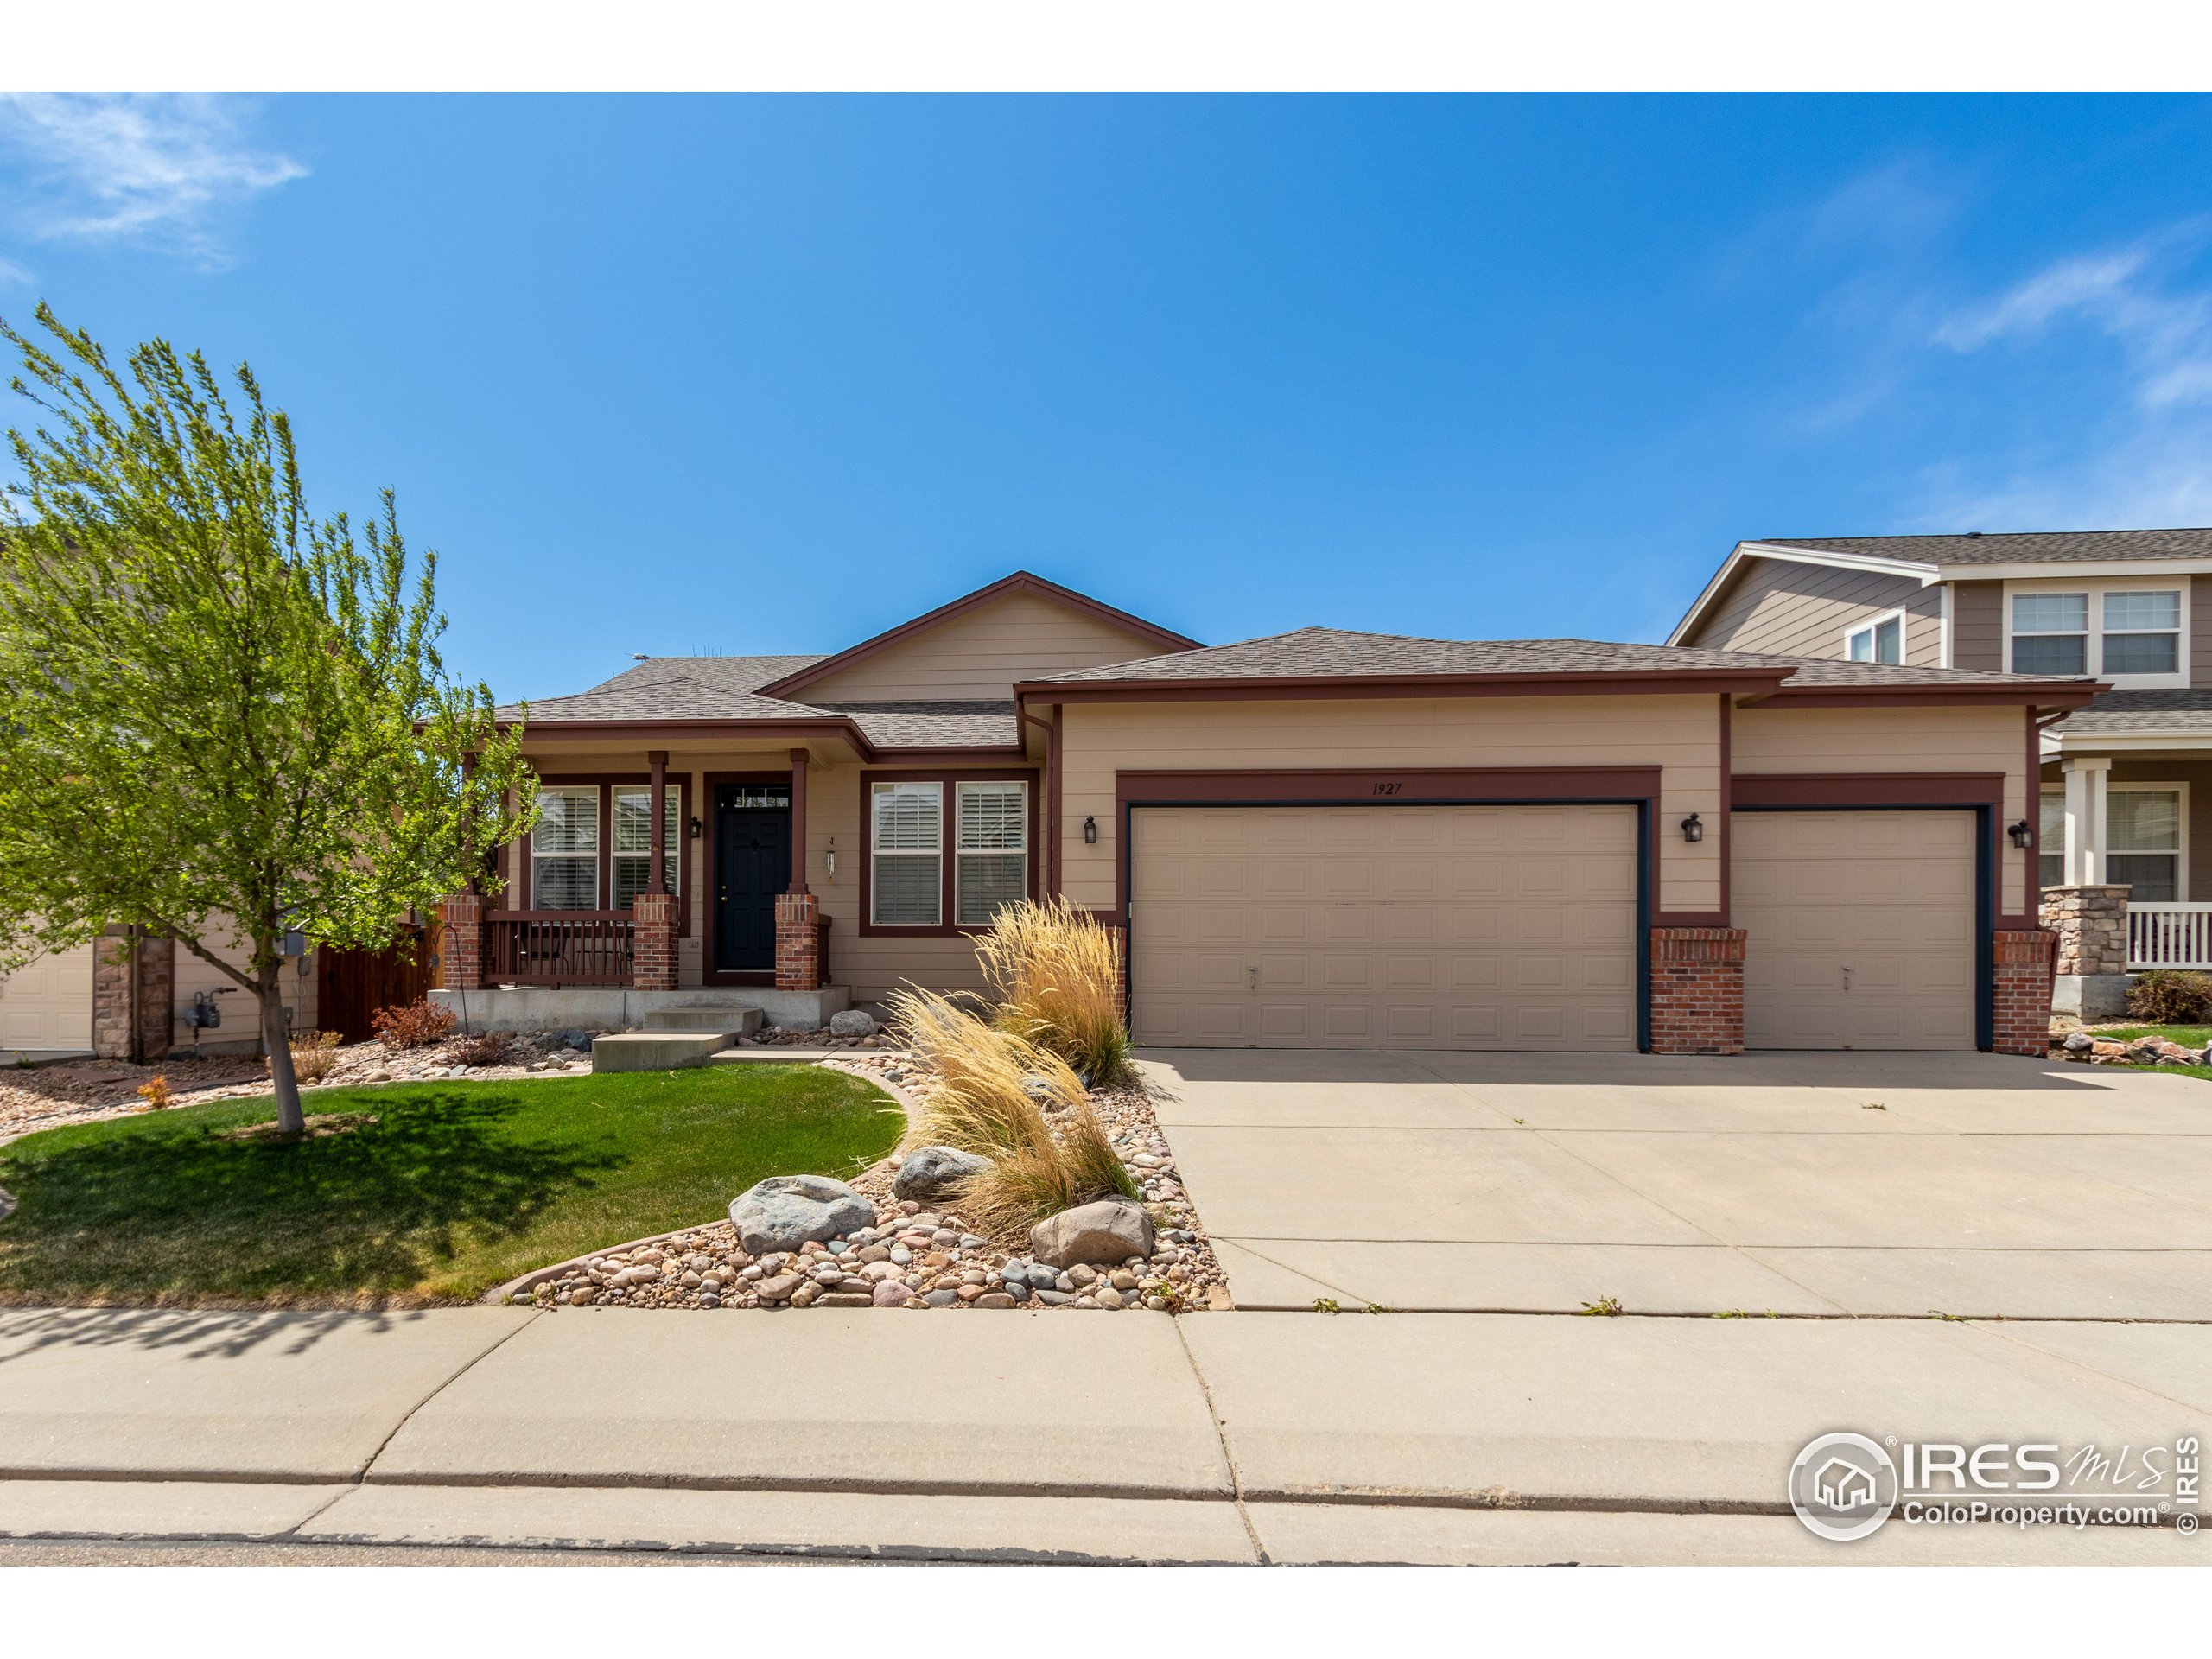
<point>414,1025</point>
<point>154,1091</point>
<point>315,1054</point>
<point>1057,973</point>
<point>2165,996</point>
<point>481,1048</point>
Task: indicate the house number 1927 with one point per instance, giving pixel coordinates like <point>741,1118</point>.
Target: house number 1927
<point>1388,789</point>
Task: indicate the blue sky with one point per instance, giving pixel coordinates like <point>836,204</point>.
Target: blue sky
<point>769,373</point>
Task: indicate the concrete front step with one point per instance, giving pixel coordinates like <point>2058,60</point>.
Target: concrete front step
<point>735,1021</point>
<point>657,1050</point>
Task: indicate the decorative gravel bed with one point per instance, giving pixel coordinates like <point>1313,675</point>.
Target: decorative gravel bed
<point>912,1255</point>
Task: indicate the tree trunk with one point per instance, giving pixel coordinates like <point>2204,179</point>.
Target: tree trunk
<point>290,1120</point>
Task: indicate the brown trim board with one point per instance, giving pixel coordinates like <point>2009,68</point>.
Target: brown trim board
<point>1698,682</point>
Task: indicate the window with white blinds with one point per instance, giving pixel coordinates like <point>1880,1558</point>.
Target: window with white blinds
<point>634,841</point>
<point>564,850</point>
<point>991,853</point>
<point>906,851</point>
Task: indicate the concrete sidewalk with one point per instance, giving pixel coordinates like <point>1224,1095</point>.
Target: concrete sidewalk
<point>1217,1437</point>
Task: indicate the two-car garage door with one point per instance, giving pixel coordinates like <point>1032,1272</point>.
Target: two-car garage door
<point>1515,927</point>
<point>1384,927</point>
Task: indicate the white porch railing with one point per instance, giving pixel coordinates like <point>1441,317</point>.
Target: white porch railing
<point>2169,935</point>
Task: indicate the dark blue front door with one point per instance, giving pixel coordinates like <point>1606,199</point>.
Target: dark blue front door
<point>752,864</point>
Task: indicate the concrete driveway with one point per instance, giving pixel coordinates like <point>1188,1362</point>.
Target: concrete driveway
<point>1795,1184</point>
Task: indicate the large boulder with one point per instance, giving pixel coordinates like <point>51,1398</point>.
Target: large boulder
<point>1109,1231</point>
<point>931,1171</point>
<point>851,1022</point>
<point>785,1211</point>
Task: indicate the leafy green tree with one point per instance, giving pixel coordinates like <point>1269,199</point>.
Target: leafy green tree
<point>220,718</point>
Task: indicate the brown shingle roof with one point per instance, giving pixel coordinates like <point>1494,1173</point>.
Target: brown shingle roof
<point>2037,547</point>
<point>2179,710</point>
<point>1330,653</point>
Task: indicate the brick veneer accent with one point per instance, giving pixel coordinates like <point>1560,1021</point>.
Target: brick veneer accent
<point>461,945</point>
<point>1697,991</point>
<point>798,941</point>
<point>115,1035</point>
<point>2022,1000</point>
<point>2091,923</point>
<point>652,957</point>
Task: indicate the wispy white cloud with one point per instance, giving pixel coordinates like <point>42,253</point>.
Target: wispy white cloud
<point>160,171</point>
<point>14,276</point>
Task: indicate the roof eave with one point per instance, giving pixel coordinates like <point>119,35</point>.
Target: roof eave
<point>1680,681</point>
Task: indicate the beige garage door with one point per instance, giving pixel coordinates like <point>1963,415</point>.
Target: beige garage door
<point>48,1004</point>
<point>1384,927</point>
<point>1860,928</point>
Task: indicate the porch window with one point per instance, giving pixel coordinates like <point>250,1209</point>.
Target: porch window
<point>1881,641</point>
<point>991,857</point>
<point>564,850</point>
<point>2142,632</point>
<point>2052,841</point>
<point>906,855</point>
<point>2143,836</point>
<point>634,841</point>
<point>2051,633</point>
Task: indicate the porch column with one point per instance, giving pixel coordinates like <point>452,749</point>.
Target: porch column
<point>799,921</point>
<point>798,821</point>
<point>657,860</point>
<point>2085,778</point>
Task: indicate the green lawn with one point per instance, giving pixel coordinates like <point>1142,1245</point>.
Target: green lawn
<point>455,1187</point>
<point>2187,1036</point>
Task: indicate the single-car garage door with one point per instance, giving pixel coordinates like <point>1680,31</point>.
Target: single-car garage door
<point>47,1003</point>
<point>1859,928</point>
<point>1384,927</point>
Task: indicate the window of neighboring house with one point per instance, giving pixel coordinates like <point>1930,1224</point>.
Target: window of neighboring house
<point>2052,841</point>
<point>2051,633</point>
<point>633,841</point>
<point>564,849</point>
<point>1879,642</point>
<point>2142,632</point>
<point>991,854</point>
<point>906,849</point>
<point>2143,843</point>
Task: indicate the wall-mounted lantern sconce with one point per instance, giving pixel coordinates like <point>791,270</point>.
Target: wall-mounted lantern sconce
<point>1693,828</point>
<point>2020,833</point>
<point>1091,832</point>
<point>696,827</point>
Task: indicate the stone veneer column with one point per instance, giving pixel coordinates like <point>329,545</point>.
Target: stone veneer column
<point>2091,925</point>
<point>798,941</point>
<point>652,956</point>
<point>461,945</point>
<point>124,961</point>
<point>2021,1002</point>
<point>1697,991</point>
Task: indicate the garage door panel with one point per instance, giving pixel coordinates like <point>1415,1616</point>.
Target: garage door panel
<point>1859,928</point>
<point>1500,927</point>
<point>47,1003</point>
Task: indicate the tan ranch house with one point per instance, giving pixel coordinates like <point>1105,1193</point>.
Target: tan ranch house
<point>1321,839</point>
<point>2125,785</point>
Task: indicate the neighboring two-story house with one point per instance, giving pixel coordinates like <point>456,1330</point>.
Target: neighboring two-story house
<point>2127,781</point>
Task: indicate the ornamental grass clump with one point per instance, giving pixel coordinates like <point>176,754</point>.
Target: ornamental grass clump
<point>315,1054</point>
<point>1057,975</point>
<point>999,1095</point>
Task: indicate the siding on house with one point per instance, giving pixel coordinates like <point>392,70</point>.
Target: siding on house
<point>1680,734</point>
<point>1806,610</point>
<point>1783,739</point>
<point>1978,626</point>
<point>981,653</point>
<point>2200,620</point>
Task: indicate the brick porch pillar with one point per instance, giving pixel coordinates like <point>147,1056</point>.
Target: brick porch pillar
<point>461,942</point>
<point>2091,925</point>
<point>2022,999</point>
<point>653,951</point>
<point>1697,991</point>
<point>798,941</point>
<point>133,981</point>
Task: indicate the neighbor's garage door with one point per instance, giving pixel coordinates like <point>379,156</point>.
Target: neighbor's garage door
<point>1859,928</point>
<point>1384,927</point>
<point>48,1003</point>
